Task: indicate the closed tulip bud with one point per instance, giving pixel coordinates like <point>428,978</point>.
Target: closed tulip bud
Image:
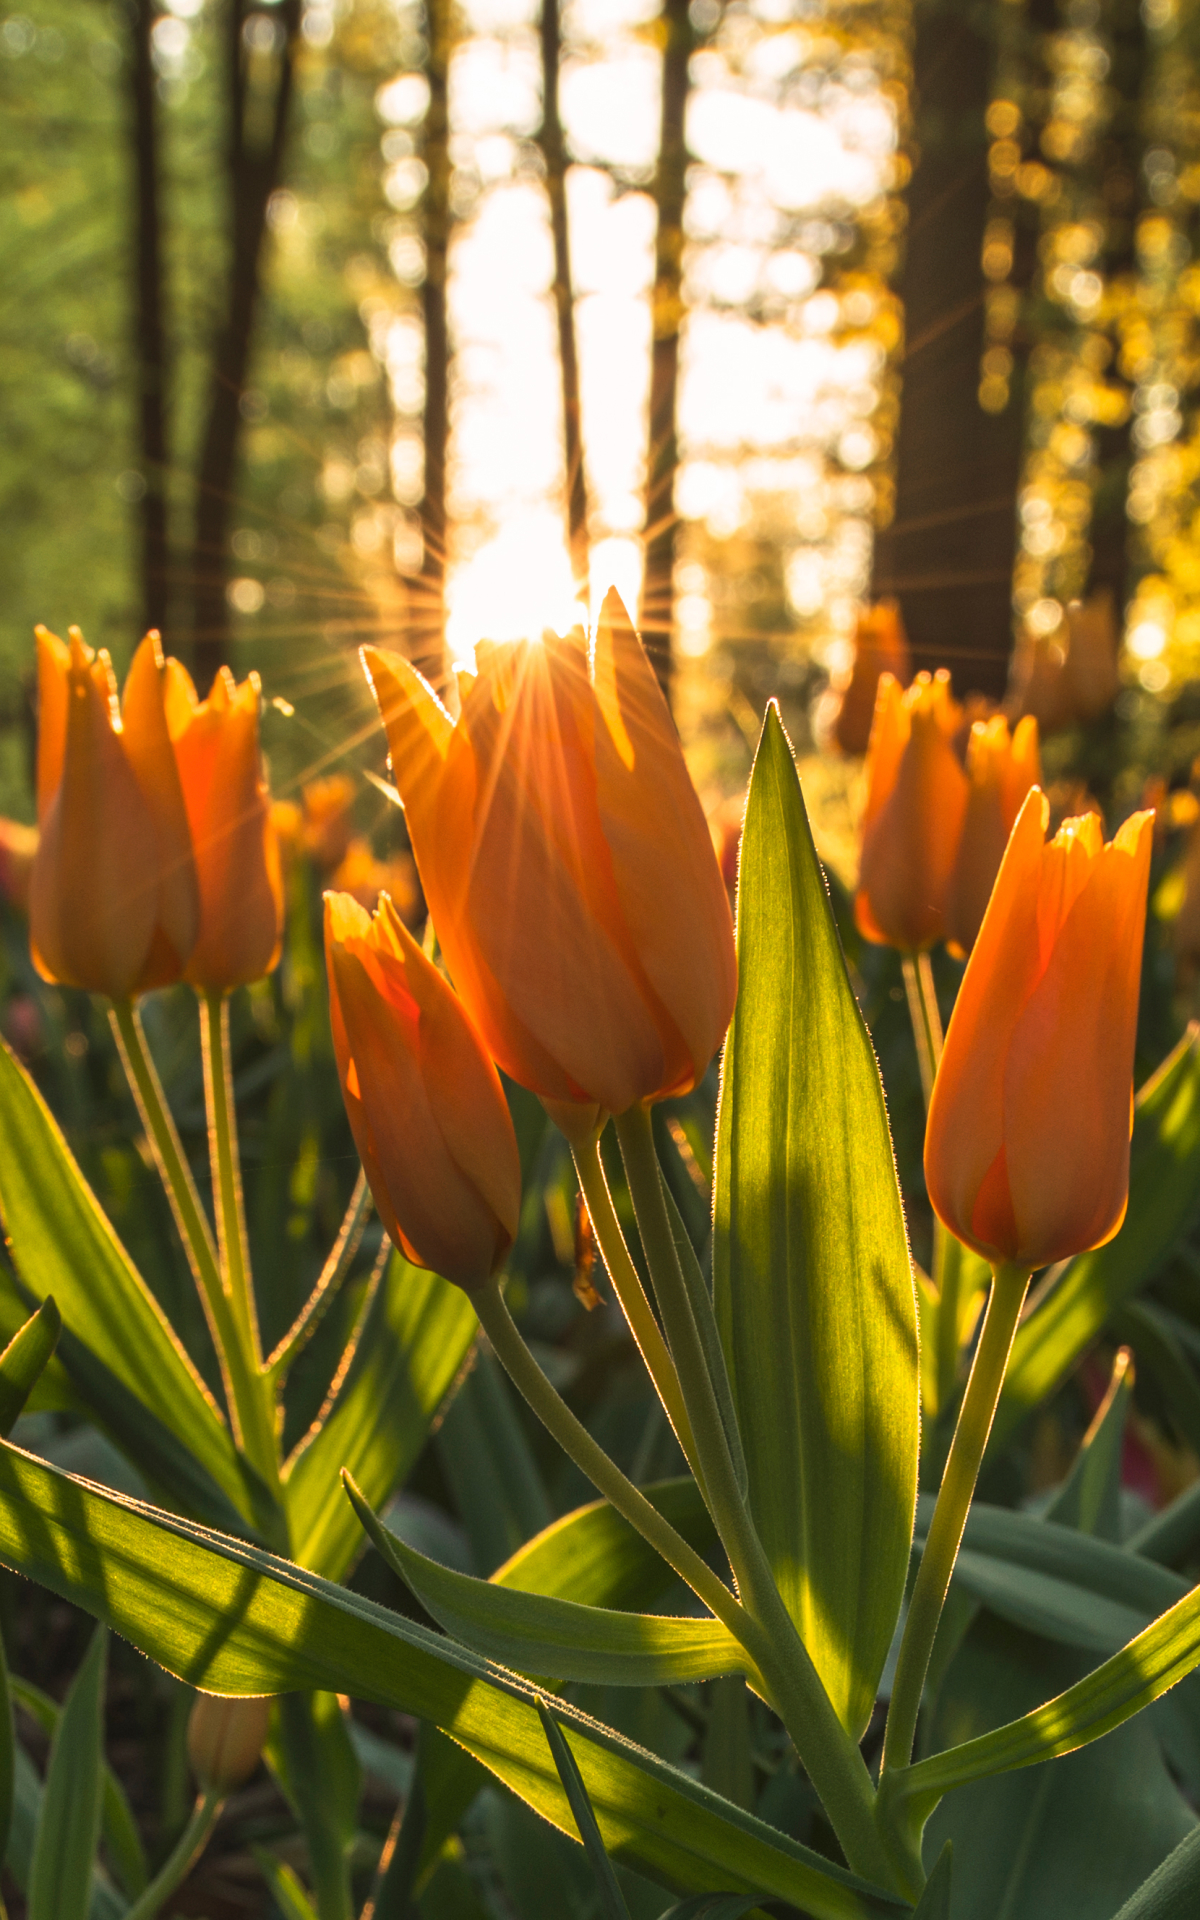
<point>1000,771</point>
<point>18,846</point>
<point>1027,1147</point>
<point>225,1738</point>
<point>916,802</point>
<point>424,1101</point>
<point>880,646</point>
<point>113,895</point>
<point>233,833</point>
<point>567,865</point>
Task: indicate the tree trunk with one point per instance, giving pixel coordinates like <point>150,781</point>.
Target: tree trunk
<point>258,122</point>
<point>149,331</point>
<point>427,626</point>
<point>948,555</point>
<point>656,617</point>
<point>555,155</point>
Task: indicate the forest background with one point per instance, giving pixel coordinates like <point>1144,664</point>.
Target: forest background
<point>322,323</point>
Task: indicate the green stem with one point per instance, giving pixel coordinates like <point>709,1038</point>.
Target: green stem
<point>241,1387</point>
<point>1010,1284</point>
<point>630,1292</point>
<point>830,1757</point>
<point>258,1416</point>
<point>179,1861</point>
<point>333,1273</point>
<point>925,1017</point>
<point>947,1278</point>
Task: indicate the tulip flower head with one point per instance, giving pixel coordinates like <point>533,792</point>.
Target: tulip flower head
<point>113,893</point>
<point>1000,771</point>
<point>880,646</point>
<point>916,803</point>
<point>567,865</point>
<point>233,833</point>
<point>424,1101</point>
<point>225,1738</point>
<point>1027,1146</point>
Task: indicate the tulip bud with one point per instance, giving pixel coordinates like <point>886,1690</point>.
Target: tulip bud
<point>233,833</point>
<point>424,1101</point>
<point>1027,1146</point>
<point>1000,772</point>
<point>225,1738</point>
<point>567,865</point>
<point>916,802</point>
<point>113,894</point>
<point>880,646</point>
<point>18,845</point>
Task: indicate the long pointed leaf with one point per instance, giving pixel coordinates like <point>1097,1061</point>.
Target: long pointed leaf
<point>64,1848</point>
<point>228,1616</point>
<point>557,1639</point>
<point>813,1280</point>
<point>24,1360</point>
<point>612,1901</point>
<point>1173,1892</point>
<point>63,1244</point>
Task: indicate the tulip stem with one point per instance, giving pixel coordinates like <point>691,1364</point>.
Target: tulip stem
<point>926,1017</point>
<point>830,1757</point>
<point>180,1860</point>
<point>336,1267</point>
<point>241,1388</point>
<point>258,1416</point>
<point>1010,1283</point>
<point>627,1286</point>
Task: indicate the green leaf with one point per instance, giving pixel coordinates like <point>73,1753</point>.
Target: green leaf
<point>726,1764</point>
<point>62,1244</point>
<point>1065,1841</point>
<point>416,1336</point>
<point>318,1768</point>
<point>711,1906</point>
<point>1056,1582</point>
<point>1090,1496</point>
<point>399,1863</point>
<point>28,1797</point>
<point>1173,1891</point>
<point>290,1897</point>
<point>121,1836</point>
<point>64,1849</point>
<point>557,1639</point>
<point>1164,1201</point>
<point>8,1755</point>
<point>813,1281</point>
<point>612,1901</point>
<point>1160,1355</point>
<point>934,1903</point>
<point>1143,1671</point>
<point>487,1459</point>
<point>230,1617</point>
<point>24,1361</point>
<point>594,1556</point>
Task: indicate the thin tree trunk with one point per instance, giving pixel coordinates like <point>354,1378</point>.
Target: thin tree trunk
<point>253,171</point>
<point>656,617</point>
<point>427,630</point>
<point>554,153</point>
<point>149,331</point>
<point>948,555</point>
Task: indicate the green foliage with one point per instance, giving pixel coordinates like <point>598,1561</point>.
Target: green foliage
<point>814,1291</point>
<point>60,1880</point>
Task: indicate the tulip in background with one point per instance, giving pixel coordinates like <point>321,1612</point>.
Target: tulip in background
<point>113,894</point>
<point>567,865</point>
<point>916,804</point>
<point>1027,1148</point>
<point>425,1102</point>
<point>880,646</point>
<point>232,832</point>
<point>1001,768</point>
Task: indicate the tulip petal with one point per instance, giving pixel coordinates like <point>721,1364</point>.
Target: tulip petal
<point>1070,1063</point>
<point>94,889</point>
<point>667,878</point>
<point>152,757</point>
<point>541,900</point>
<point>911,841</point>
<point>53,660</point>
<point>965,1130</point>
<point>889,737</point>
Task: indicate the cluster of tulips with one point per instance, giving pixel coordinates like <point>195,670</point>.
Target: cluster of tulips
<point>582,917</point>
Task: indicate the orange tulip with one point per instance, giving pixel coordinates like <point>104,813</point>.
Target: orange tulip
<point>916,803</point>
<point>880,646</point>
<point>1027,1147</point>
<point>113,895</point>
<point>18,847</point>
<point>225,1738</point>
<point>425,1103</point>
<point>233,833</point>
<point>567,866</point>
<point>1000,772</point>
